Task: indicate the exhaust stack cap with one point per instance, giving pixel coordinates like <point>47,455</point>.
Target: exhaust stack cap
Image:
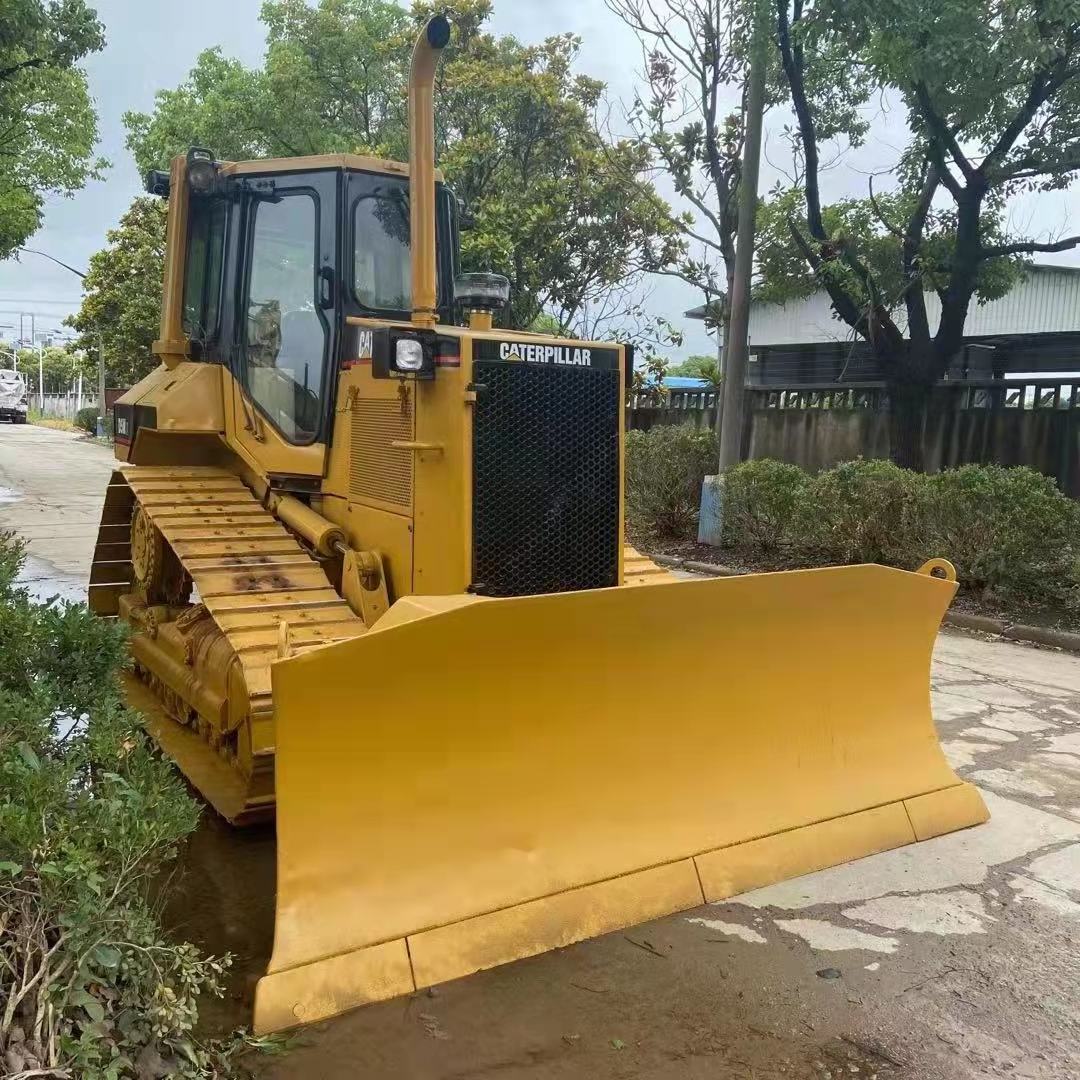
<point>438,31</point>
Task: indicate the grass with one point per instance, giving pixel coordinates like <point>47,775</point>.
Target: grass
<point>54,422</point>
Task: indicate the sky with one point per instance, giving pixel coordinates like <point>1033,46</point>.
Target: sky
<point>153,46</point>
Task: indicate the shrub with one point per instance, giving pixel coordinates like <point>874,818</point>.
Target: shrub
<point>89,815</point>
<point>1008,529</point>
<point>665,468</point>
<point>761,504</point>
<point>1005,529</point>
<point>87,419</point>
<point>864,511</point>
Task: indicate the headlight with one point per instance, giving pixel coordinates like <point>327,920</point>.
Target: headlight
<point>409,355</point>
<point>402,354</point>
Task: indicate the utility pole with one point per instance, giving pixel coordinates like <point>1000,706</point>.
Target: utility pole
<point>101,341</point>
<point>101,383</point>
<point>738,351</point>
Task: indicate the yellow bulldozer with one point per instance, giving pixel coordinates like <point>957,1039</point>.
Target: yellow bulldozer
<point>374,569</point>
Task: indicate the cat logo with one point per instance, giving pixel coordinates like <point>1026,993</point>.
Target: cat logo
<point>364,345</point>
<point>545,354</point>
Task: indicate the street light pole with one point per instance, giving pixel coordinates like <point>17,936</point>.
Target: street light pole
<point>101,341</point>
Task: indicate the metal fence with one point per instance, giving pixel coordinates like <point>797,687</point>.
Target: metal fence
<point>61,406</point>
<point>1033,422</point>
<point>682,405</point>
<point>1023,394</point>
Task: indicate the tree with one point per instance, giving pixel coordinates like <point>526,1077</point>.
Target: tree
<point>48,127</point>
<point>693,64</point>
<point>699,367</point>
<point>60,368</point>
<point>122,297</point>
<point>991,93</point>
<point>565,214</point>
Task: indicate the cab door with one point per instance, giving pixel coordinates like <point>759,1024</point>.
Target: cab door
<point>286,327</point>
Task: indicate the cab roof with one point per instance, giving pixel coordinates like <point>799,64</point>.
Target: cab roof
<point>355,162</point>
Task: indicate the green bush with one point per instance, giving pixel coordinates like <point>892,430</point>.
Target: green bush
<point>87,419</point>
<point>761,503</point>
<point>864,511</point>
<point>665,467</point>
<point>1005,529</point>
<point>89,815</point>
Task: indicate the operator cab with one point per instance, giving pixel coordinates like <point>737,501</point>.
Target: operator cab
<point>280,253</point>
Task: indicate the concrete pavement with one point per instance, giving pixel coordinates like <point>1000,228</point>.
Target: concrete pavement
<point>52,486</point>
<point>955,958</point>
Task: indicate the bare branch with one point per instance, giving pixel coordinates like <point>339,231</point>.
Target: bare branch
<point>1029,247</point>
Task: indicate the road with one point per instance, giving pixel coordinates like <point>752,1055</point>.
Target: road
<point>52,485</point>
<point>951,959</point>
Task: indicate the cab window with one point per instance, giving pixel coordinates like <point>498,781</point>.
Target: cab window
<point>382,266</point>
<point>202,278</point>
<point>285,337</point>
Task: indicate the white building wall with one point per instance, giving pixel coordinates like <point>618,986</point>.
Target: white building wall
<point>1046,300</point>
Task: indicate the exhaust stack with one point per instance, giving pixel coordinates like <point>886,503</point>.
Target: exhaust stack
<point>425,58</point>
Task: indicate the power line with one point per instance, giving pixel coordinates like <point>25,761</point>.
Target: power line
<point>35,300</point>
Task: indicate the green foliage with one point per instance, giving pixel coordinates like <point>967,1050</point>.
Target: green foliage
<point>990,90</point>
<point>122,297</point>
<point>1004,526</point>
<point>563,213</point>
<point>60,367</point>
<point>699,367</point>
<point>864,511</point>
<point>1007,530</point>
<point>868,227</point>
<point>760,501</point>
<point>48,127</point>
<point>665,468</point>
<point>87,417</point>
<point>89,816</point>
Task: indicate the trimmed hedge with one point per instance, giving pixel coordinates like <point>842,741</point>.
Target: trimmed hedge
<point>1007,530</point>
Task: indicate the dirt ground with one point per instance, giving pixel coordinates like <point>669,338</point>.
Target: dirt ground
<point>947,960</point>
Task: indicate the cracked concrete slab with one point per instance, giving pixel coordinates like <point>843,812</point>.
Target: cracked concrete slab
<point>822,934</point>
<point>963,858</point>
<point>958,911</point>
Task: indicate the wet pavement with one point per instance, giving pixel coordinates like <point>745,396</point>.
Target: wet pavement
<point>52,486</point>
<point>947,960</point>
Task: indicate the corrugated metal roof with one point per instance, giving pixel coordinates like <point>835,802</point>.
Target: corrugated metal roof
<point>1046,300</point>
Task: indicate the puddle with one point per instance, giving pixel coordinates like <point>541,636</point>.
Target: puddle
<point>9,495</point>
<point>45,583</point>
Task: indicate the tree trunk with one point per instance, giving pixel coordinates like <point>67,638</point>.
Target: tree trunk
<point>908,403</point>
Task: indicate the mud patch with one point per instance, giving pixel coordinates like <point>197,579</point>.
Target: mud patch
<point>220,896</point>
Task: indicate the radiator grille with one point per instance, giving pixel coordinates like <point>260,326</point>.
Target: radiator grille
<point>378,470</point>
<point>545,479</point>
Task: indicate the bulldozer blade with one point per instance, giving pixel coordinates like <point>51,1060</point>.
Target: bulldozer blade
<point>474,782</point>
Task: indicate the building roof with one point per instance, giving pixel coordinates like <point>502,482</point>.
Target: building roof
<point>1045,300</point>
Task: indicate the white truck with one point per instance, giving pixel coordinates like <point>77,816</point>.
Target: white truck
<point>13,402</point>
